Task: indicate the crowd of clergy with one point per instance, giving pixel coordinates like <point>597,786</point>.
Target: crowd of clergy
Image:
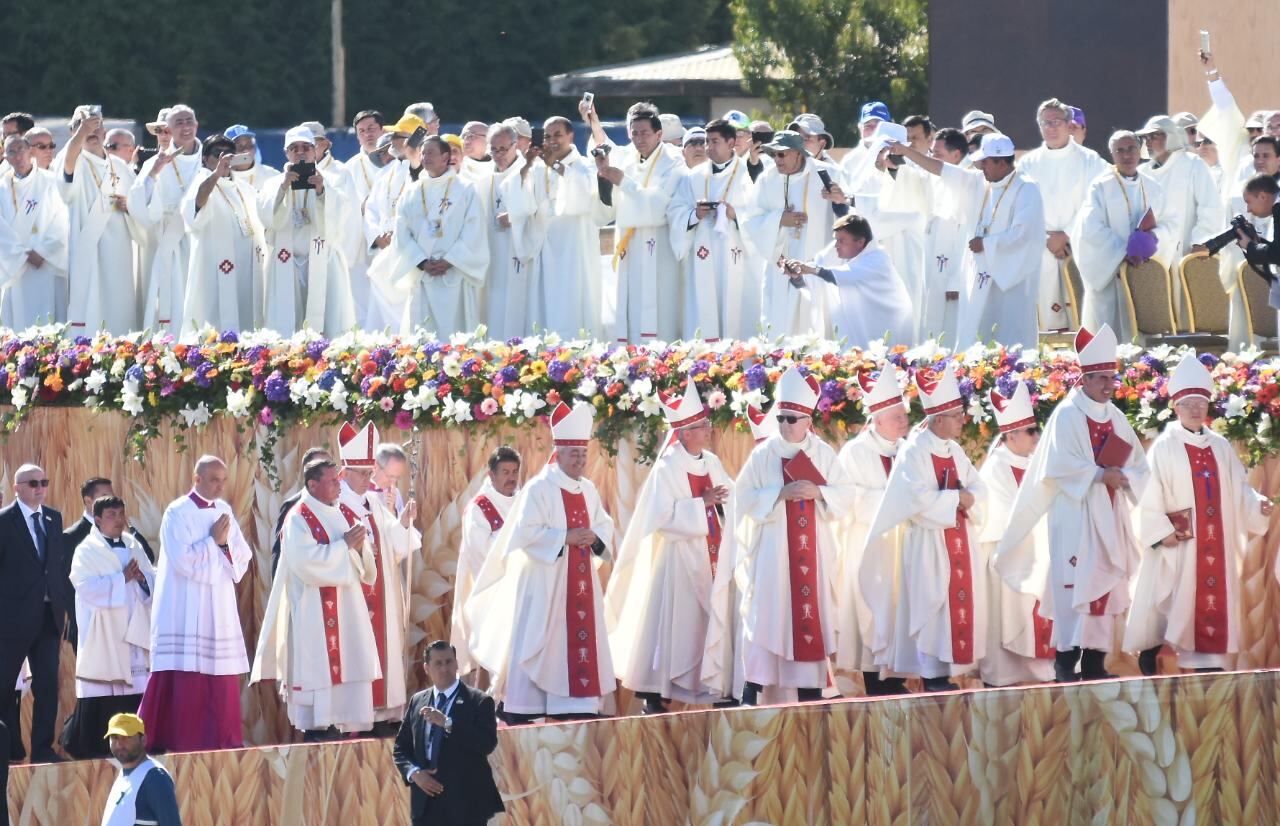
<point>890,559</point>
<point>719,231</point>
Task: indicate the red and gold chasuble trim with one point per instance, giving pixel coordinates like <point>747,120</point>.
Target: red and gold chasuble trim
<point>1211,623</point>
<point>699,484</point>
<point>375,599</point>
<point>1041,627</point>
<point>802,556</point>
<point>960,583</point>
<point>490,513</point>
<point>580,604</point>
<point>1098,434</point>
<point>887,462</point>
<point>329,593</point>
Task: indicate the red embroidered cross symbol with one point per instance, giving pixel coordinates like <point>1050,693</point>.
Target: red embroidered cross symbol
<point>1056,307</point>
<point>284,255</point>
<point>226,266</point>
<point>703,252</point>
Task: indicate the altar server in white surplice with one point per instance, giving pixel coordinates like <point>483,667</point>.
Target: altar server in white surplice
<point>659,595</point>
<point>536,614</point>
<point>935,496</point>
<point>1195,522</point>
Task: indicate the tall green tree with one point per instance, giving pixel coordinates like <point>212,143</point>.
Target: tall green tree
<point>830,56</point>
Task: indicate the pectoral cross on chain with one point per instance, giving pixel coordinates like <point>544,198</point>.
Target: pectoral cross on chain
<point>942,262</point>
<point>983,278</point>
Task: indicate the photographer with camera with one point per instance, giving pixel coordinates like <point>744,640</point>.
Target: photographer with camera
<point>1260,197</point>
<point>306,279</point>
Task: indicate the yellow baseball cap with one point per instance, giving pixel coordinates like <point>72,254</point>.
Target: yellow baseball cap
<point>125,725</point>
<point>452,140</point>
<point>407,125</point>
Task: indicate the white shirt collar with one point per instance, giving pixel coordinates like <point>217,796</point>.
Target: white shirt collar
<point>448,692</point>
<point>26,512</point>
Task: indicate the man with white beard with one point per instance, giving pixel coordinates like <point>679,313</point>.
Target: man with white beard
<point>33,241</point>
<point>306,280</point>
<point>224,282</point>
<point>1004,209</point>
<point>643,177</point>
<point>565,297</point>
<point>720,301</point>
<point>439,253</point>
<point>252,172</point>
<point>510,207</point>
<point>1063,169</point>
<point>168,276</point>
<point>869,589</point>
<point>100,254</point>
<point>791,219</point>
<point>1193,211</point>
<point>1122,222</point>
<point>935,495</point>
<point>659,597</point>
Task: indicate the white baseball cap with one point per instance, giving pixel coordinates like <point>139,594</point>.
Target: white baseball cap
<point>299,134</point>
<point>994,145</point>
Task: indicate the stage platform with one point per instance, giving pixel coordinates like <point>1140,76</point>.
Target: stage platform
<point>1168,750</point>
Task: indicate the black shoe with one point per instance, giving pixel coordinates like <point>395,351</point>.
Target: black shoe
<point>1092,665</point>
<point>727,702</point>
<point>1064,666</point>
<point>932,684</point>
<point>1147,661</point>
<point>1208,670</point>
<point>321,735</point>
<point>654,707</point>
<point>47,757</point>
<point>751,694</point>
<point>809,695</point>
<point>893,686</point>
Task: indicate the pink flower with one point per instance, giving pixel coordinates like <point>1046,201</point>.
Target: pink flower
<point>387,404</point>
<point>267,417</point>
<point>404,420</point>
<point>715,399</point>
<point>489,406</point>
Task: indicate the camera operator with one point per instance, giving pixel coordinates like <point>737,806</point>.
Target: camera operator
<point>1260,196</point>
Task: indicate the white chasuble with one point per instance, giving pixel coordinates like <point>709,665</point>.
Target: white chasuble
<point>32,218</point>
<point>224,282</point>
<point>100,250</point>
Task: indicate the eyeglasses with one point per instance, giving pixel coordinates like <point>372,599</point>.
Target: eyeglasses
<point>1051,124</point>
<point>695,143</point>
<point>114,146</point>
<point>1203,142</point>
<point>36,483</point>
<point>44,146</point>
<point>785,419</point>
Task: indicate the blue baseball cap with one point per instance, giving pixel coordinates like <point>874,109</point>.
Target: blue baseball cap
<point>239,130</point>
<point>874,110</point>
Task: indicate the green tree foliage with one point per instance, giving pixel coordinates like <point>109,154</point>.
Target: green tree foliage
<point>838,53</point>
<point>267,62</point>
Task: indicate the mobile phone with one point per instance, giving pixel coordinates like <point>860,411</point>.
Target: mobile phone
<point>380,157</point>
<point>1204,41</point>
<point>417,138</point>
<point>305,171</point>
<point>761,138</point>
<point>241,158</point>
<point>589,98</point>
<point>145,153</point>
<point>709,204</point>
<point>537,135</point>
<point>95,110</point>
<point>896,160</point>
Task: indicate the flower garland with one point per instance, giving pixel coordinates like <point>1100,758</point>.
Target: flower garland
<point>271,382</point>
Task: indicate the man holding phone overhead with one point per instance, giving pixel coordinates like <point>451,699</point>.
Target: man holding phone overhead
<point>245,164</point>
<point>164,293</point>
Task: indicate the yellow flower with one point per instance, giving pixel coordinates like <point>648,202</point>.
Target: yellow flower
<point>153,399</point>
<point>410,383</point>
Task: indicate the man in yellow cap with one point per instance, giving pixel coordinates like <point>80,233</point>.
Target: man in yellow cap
<point>143,791</point>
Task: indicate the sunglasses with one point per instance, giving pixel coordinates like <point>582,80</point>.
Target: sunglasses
<point>44,146</point>
<point>36,483</point>
<point>1033,431</point>
<point>785,419</point>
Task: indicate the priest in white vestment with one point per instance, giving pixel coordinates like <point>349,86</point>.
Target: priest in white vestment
<point>392,538</point>
<point>33,241</point>
<point>642,176</point>
<point>1195,522</point>
<point>364,174</point>
<point>1085,479</point>
<point>791,219</point>
<point>100,246</point>
<point>165,284</point>
<point>439,252</point>
<point>224,281</point>
<point>565,294</point>
<point>659,598</point>
<point>510,207</point>
<point>114,581</point>
<point>536,614</point>
<point>706,216</point>
<point>482,519</point>
<point>317,636</point>
<point>1005,214</point>
<point>869,592</point>
<point>306,283</point>
<point>252,171</point>
<point>386,300</point>
<point>1063,168</point>
<point>1123,207</point>
<point>871,303</point>
<point>788,501</point>
<point>1019,639</point>
<point>935,495</point>
<point>192,701</point>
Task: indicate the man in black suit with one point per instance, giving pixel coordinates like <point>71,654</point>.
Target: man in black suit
<point>36,595</point>
<point>89,493</point>
<point>290,503</point>
<point>442,750</point>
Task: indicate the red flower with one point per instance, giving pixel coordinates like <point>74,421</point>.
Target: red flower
<point>553,398</point>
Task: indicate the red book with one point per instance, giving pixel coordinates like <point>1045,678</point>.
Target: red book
<point>799,468</point>
<point>1114,452</point>
<point>1148,221</point>
<point>1181,521</point>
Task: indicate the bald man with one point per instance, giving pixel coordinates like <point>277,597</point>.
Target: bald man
<point>192,702</point>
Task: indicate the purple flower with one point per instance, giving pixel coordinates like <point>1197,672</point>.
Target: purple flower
<point>327,379</point>
<point>404,420</point>
<point>700,368</point>
<point>315,349</point>
<point>27,366</point>
<point>4,379</point>
<point>831,392</point>
<point>202,375</point>
<point>255,353</point>
<point>277,388</point>
<point>1208,360</point>
<point>514,341</point>
<point>167,388</point>
<point>194,357</point>
<point>134,373</point>
<point>1007,385</point>
<point>429,352</point>
<point>898,360</point>
<point>470,367</point>
<point>756,377</point>
<point>557,368</point>
<point>82,341</point>
<point>1152,362</point>
<point>509,374</point>
<point>229,337</point>
<point>966,387</point>
<point>365,384</point>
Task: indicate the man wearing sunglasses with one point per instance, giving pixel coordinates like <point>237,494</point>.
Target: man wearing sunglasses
<point>935,496</point>
<point>1085,481</point>
<point>789,496</point>
<point>868,595</point>
<point>36,595</point>
<point>1019,638</point>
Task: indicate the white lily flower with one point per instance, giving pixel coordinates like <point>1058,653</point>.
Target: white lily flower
<point>238,403</point>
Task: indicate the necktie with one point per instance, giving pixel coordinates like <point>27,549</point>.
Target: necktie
<point>436,737</point>
<point>42,540</point>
